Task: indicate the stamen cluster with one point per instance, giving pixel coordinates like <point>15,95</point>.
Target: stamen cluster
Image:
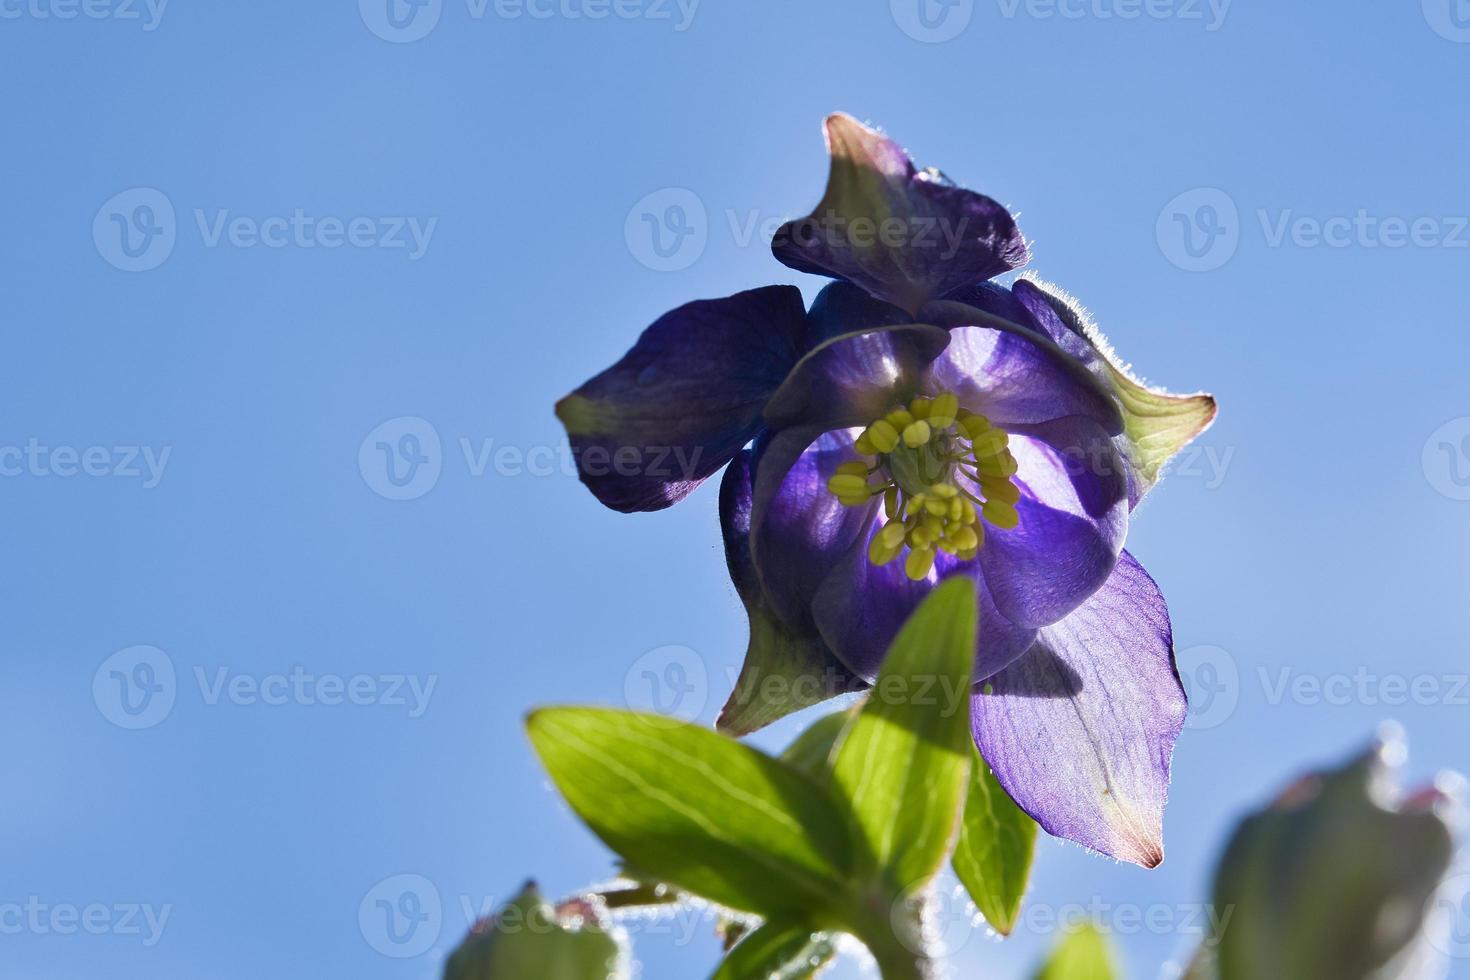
<point>917,452</point>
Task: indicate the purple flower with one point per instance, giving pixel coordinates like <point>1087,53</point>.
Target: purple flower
<point>920,423</point>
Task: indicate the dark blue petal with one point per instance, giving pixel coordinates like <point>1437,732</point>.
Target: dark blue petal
<point>855,378</point>
<point>842,308</point>
<point>685,399</point>
<point>787,667</point>
<point>903,235</point>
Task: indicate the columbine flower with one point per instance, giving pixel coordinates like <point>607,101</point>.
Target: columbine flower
<point>920,423</point>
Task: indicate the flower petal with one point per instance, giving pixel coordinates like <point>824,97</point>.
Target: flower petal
<point>685,399</point>
<point>855,378</point>
<point>800,531</point>
<point>1080,730</point>
<point>860,608</point>
<point>902,234</point>
<point>811,555</point>
<point>1014,375</point>
<point>842,308</point>
<point>786,669</point>
<point>1073,522</point>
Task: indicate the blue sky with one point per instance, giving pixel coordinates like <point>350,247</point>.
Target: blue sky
<point>346,229</point>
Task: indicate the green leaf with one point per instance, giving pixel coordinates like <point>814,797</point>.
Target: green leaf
<point>529,938</point>
<point>1332,881</point>
<point>696,809</point>
<point>778,952</point>
<point>1083,955</point>
<point>812,750</point>
<point>995,850</point>
<point>903,763</point>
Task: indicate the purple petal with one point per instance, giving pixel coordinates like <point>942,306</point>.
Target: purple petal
<point>902,234</point>
<point>811,556</point>
<point>801,531</point>
<point>853,379</point>
<point>688,396</point>
<point>1014,376</point>
<point>1080,730</point>
<point>842,308</point>
<point>860,608</point>
<point>1074,520</point>
<point>786,667</point>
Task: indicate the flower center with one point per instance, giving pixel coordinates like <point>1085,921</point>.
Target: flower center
<point>917,453</point>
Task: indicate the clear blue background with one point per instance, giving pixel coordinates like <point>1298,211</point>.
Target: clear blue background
<point>1325,548</point>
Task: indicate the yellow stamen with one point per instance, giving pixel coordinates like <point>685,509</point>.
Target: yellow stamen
<point>935,460</point>
<point>1001,515</point>
<point>1000,489</point>
<point>917,434</point>
<point>918,564</point>
<point>942,411</point>
<point>883,436</point>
